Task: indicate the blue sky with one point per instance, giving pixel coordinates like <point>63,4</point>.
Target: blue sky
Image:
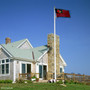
<point>34,19</point>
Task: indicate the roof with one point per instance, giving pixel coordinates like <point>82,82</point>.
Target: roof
<point>14,44</point>
<point>25,54</point>
<point>64,63</point>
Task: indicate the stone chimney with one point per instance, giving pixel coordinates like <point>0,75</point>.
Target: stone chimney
<point>50,43</point>
<point>7,40</point>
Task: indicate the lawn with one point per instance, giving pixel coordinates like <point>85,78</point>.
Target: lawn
<point>42,86</point>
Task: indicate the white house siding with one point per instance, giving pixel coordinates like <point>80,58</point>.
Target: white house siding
<point>17,68</point>
<point>33,68</point>
<point>61,65</point>
<point>8,76</point>
<point>44,59</point>
<point>24,62</point>
<point>25,45</point>
<point>4,55</point>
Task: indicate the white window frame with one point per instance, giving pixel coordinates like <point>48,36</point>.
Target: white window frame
<point>24,62</point>
<point>43,65</point>
<point>5,67</point>
<point>62,68</point>
<point>25,67</point>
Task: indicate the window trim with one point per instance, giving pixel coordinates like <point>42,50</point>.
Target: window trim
<point>62,68</point>
<point>25,67</point>
<point>25,62</point>
<point>5,74</point>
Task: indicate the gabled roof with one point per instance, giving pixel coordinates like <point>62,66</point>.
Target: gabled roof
<point>64,63</point>
<point>14,44</point>
<point>25,54</point>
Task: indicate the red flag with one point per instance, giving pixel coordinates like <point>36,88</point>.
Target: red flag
<point>62,13</point>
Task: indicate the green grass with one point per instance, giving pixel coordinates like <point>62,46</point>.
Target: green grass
<point>43,86</point>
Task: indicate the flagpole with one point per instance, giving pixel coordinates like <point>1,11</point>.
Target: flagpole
<point>54,43</point>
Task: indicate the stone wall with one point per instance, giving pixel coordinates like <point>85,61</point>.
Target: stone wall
<point>51,54</point>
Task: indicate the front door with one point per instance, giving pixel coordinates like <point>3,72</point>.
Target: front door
<point>43,72</point>
<point>28,68</point>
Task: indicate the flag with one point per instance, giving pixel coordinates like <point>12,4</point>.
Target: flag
<point>62,13</point>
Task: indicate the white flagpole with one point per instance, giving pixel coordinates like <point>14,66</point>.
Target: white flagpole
<point>55,43</point>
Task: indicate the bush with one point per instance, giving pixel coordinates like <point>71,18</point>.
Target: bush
<point>37,79</point>
<point>60,82</point>
<point>19,81</point>
<point>1,81</point>
<point>8,81</point>
<point>71,82</point>
<point>5,81</point>
<point>66,81</point>
<point>88,83</point>
<point>74,82</point>
<point>33,77</point>
<point>28,81</point>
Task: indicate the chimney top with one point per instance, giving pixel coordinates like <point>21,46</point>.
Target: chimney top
<point>7,40</point>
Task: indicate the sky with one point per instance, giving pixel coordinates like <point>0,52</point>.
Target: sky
<point>34,20</point>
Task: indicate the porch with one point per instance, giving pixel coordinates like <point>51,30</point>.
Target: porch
<point>28,76</point>
<point>60,76</point>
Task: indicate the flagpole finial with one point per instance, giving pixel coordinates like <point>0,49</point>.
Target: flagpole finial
<point>54,7</point>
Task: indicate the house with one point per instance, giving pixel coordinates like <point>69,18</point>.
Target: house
<point>21,57</point>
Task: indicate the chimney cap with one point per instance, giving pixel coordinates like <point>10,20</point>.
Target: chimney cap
<point>8,40</point>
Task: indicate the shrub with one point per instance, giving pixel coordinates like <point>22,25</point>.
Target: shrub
<point>37,79</point>
<point>60,82</point>
<point>28,81</point>
<point>66,81</point>
<point>76,82</point>
<point>1,81</point>
<point>81,83</point>
<point>5,81</point>
<point>19,81</point>
<point>8,81</point>
<point>33,77</point>
<point>71,82</point>
<point>88,83</point>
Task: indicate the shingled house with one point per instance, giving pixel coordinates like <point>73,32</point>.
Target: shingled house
<point>21,57</point>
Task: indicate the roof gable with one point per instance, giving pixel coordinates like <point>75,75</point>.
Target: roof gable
<point>18,50</point>
<point>25,45</point>
<point>62,60</point>
<point>3,54</point>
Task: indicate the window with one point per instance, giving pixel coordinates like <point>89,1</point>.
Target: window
<point>4,66</point>
<point>40,71</point>
<point>23,68</point>
<point>3,61</point>
<point>7,60</point>
<point>61,70</point>
<point>7,68</point>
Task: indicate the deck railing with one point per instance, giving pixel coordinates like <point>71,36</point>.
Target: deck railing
<point>68,76</point>
<point>28,76</point>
